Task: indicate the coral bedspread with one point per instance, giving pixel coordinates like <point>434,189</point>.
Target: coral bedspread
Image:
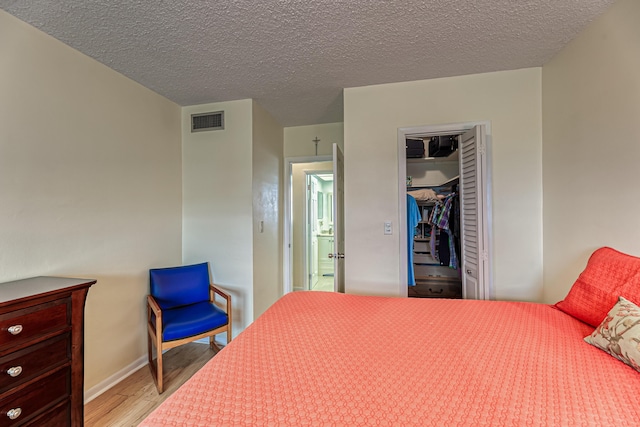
<point>318,358</point>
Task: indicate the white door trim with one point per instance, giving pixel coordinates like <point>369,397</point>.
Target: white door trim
<point>402,192</point>
<point>288,224</point>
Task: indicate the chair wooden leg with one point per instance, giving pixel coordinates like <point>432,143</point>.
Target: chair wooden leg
<point>155,366</point>
<point>159,367</point>
<point>160,384</point>
<point>149,349</point>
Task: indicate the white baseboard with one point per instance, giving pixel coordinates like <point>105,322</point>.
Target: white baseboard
<point>123,373</point>
<point>114,379</point>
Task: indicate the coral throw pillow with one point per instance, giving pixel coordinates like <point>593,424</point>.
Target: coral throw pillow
<point>619,333</point>
<point>608,275</point>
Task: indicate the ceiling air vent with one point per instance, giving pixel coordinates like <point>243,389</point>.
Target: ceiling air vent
<point>207,121</point>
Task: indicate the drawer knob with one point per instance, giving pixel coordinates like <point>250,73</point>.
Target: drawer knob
<point>15,329</point>
<point>14,371</point>
<point>14,413</point>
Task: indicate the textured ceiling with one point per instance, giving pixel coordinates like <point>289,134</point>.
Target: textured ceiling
<point>294,57</point>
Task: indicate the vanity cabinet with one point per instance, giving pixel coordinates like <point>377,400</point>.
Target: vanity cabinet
<point>325,247</point>
<point>42,351</point>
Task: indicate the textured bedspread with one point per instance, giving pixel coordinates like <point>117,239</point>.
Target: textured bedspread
<point>318,358</point>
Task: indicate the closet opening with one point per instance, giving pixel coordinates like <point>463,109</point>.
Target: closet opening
<point>433,216</point>
<point>444,211</point>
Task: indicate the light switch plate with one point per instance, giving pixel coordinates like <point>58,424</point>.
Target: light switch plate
<point>388,229</point>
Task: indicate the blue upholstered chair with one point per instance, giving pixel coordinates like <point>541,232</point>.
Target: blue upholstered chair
<point>181,308</point>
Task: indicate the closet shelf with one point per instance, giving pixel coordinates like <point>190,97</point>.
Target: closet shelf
<point>447,183</point>
<point>453,157</point>
<point>454,180</point>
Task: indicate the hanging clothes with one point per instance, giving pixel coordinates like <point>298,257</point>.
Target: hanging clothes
<point>413,218</point>
<point>445,251</point>
<point>453,259</point>
<point>432,243</point>
<point>433,238</point>
<point>443,219</point>
<point>455,227</point>
<point>443,248</point>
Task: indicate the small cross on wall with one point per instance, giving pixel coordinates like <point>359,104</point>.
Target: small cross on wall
<point>316,140</point>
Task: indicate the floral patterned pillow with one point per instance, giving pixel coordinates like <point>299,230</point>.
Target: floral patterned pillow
<point>619,333</point>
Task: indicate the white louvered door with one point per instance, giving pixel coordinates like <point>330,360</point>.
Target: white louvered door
<point>473,214</point>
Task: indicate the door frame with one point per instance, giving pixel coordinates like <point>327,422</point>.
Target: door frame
<point>441,129</point>
<point>287,244</point>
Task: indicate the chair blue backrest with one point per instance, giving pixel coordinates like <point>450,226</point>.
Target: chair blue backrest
<point>179,286</point>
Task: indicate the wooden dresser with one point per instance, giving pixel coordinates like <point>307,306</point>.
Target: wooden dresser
<point>42,351</point>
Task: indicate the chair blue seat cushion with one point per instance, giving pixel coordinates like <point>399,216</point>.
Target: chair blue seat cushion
<point>191,320</point>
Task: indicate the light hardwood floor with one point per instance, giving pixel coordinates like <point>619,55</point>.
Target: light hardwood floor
<point>127,403</point>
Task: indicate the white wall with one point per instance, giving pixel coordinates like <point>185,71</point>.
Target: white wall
<point>90,185</point>
<point>218,202</point>
<point>511,101</point>
<point>268,216</point>
<point>298,140</point>
<point>591,151</point>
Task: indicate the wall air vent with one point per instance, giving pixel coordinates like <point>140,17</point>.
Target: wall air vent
<point>207,121</point>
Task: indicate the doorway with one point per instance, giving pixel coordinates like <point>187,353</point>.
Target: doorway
<point>319,231</point>
<point>300,223</point>
<point>475,208</point>
<point>302,214</point>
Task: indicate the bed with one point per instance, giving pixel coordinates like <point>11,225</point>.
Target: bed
<point>321,358</point>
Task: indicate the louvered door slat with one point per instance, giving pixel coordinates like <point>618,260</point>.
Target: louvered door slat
<point>471,194</point>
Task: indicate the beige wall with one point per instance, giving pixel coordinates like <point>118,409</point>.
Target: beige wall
<point>268,140</point>
<point>90,185</point>
<point>217,208</point>
<point>298,140</point>
<point>511,101</point>
<point>591,150</point>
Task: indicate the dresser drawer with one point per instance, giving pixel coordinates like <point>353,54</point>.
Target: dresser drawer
<point>21,366</point>
<point>421,246</point>
<point>435,271</point>
<point>21,325</point>
<point>424,259</point>
<point>436,289</point>
<point>59,416</point>
<point>35,399</point>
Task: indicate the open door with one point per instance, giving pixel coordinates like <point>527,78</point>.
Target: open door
<point>338,219</point>
<point>311,250</point>
<point>473,168</point>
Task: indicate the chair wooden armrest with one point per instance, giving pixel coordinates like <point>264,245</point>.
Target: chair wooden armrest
<point>213,289</point>
<point>220,292</point>
<point>153,305</point>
